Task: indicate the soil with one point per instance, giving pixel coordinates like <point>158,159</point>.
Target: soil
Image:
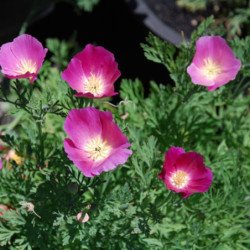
<point>177,18</point>
<point>182,20</point>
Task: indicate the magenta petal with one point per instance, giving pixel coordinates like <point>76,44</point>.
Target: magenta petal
<point>85,167</point>
<point>197,77</point>
<point>97,60</point>
<point>201,183</point>
<point>227,76</point>
<point>74,75</point>
<point>82,124</point>
<point>74,153</point>
<point>78,157</point>
<point>170,158</point>
<point>210,46</point>
<point>173,154</point>
<point>29,47</point>
<point>22,58</point>
<point>92,72</point>
<point>111,132</point>
<point>1,164</point>
<point>191,163</point>
<point>91,96</point>
<point>119,156</point>
<point>86,95</point>
<point>95,143</point>
<point>185,194</point>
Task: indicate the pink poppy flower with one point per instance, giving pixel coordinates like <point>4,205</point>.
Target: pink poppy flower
<point>214,63</point>
<point>1,164</point>
<point>95,142</point>
<point>22,58</point>
<point>92,72</point>
<point>185,173</point>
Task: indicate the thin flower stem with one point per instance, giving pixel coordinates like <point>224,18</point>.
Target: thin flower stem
<point>16,104</point>
<point>239,87</point>
<point>40,136</point>
<point>36,214</point>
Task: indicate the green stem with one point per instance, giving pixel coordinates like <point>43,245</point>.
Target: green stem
<point>41,149</point>
<point>16,104</point>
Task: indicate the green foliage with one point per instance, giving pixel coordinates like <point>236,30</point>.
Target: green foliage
<point>239,18</point>
<point>192,5</point>
<point>129,207</point>
<point>61,50</point>
<point>87,5</point>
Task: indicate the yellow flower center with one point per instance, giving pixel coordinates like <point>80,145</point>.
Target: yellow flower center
<point>94,85</point>
<point>97,149</point>
<point>179,179</point>
<point>26,65</point>
<point>211,69</point>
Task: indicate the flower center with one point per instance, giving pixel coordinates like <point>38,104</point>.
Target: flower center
<point>97,149</point>
<point>94,85</point>
<point>26,65</point>
<point>179,179</point>
<point>211,69</point>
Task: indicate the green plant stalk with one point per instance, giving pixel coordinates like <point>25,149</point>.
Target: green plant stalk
<point>41,142</point>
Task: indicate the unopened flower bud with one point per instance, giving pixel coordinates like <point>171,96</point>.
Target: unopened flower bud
<point>82,219</point>
<point>3,208</point>
<point>30,207</point>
